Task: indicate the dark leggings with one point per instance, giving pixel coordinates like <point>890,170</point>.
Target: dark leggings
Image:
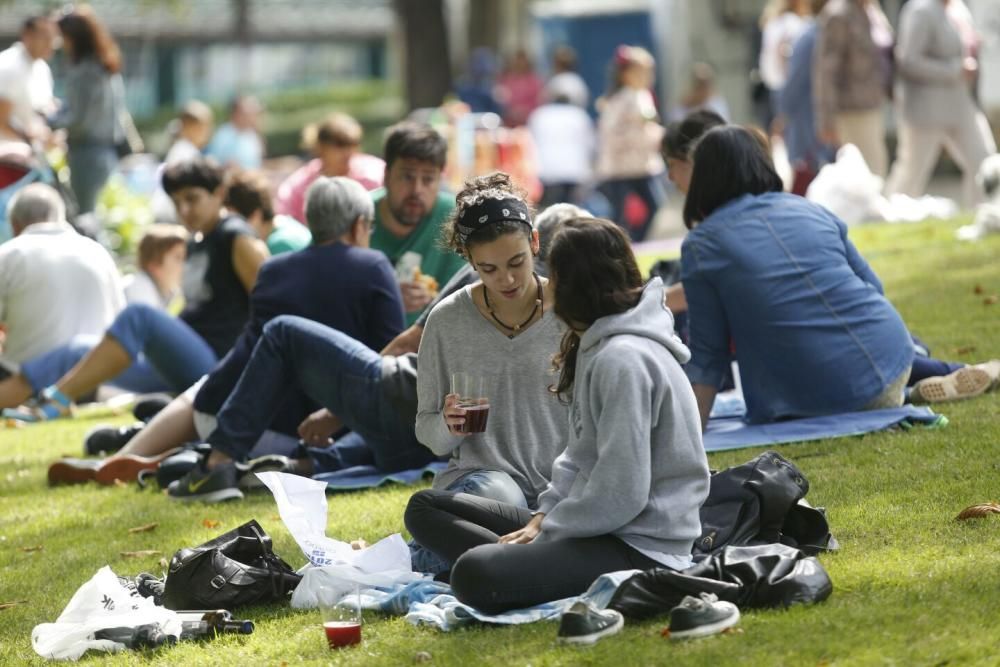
<point>493,577</point>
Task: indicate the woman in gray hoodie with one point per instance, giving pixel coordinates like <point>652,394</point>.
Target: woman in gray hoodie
<point>627,489</point>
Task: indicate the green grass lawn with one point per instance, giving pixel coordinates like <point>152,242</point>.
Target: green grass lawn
<point>912,586</point>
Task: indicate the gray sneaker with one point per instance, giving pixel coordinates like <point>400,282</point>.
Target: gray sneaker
<point>584,624</point>
<point>207,486</point>
<point>702,616</point>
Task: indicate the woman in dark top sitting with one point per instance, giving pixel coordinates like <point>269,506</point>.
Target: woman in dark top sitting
<point>223,259</point>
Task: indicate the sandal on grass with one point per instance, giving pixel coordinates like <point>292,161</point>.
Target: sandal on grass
<point>51,404</point>
<point>963,383</point>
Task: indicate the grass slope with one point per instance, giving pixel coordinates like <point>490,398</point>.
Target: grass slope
<point>911,585</point>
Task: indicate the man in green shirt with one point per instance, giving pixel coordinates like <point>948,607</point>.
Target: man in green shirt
<point>410,211</point>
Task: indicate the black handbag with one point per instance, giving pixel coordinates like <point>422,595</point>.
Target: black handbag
<point>762,502</point>
<point>234,569</point>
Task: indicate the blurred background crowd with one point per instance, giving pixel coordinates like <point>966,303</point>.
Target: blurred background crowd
<point>570,98</point>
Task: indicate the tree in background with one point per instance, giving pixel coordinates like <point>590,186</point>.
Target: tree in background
<point>427,63</point>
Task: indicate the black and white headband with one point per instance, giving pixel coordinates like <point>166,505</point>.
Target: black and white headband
<point>489,212</point>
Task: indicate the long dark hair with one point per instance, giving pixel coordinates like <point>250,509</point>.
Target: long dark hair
<point>729,162</point>
<point>595,275</point>
<point>90,38</point>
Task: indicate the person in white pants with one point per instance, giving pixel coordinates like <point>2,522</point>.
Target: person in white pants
<point>936,107</point>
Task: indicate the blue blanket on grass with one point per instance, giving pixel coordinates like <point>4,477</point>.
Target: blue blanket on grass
<point>726,430</point>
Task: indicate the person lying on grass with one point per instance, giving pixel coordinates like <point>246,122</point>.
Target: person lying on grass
<point>627,488</point>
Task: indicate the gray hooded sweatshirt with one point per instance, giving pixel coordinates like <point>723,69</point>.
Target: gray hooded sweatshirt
<point>634,466</point>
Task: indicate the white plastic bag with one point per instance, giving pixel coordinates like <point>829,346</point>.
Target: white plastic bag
<point>302,507</point>
<point>847,187</point>
<point>103,602</point>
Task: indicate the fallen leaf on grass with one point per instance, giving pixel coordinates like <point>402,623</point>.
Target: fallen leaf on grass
<point>211,523</point>
<point>28,550</point>
<point>978,511</point>
<point>965,349</point>
<point>8,605</point>
<point>978,289</point>
<point>422,656</point>
<point>991,299</point>
<point>140,554</point>
<point>144,529</point>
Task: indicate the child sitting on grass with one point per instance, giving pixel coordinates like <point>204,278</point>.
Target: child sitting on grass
<point>161,255</point>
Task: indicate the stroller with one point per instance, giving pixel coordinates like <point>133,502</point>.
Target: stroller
<point>20,165</point>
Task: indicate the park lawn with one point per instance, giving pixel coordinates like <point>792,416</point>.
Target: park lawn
<point>912,586</point>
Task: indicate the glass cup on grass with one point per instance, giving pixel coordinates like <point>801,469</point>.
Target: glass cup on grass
<point>473,399</point>
<point>341,613</point>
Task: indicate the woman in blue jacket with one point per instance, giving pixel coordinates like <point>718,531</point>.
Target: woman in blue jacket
<point>775,277</point>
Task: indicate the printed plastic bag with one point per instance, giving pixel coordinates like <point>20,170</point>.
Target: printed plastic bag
<point>103,602</point>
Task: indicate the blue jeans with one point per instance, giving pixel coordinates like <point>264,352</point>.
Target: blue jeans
<point>491,484</point>
<point>926,367</point>
<point>650,189</point>
<point>46,369</point>
<point>172,347</point>
<point>335,371</point>
<point>90,166</point>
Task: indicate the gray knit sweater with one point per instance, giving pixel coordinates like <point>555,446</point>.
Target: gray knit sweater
<point>634,466</point>
<point>526,424</point>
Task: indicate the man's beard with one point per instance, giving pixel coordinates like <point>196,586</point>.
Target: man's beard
<point>399,213</point>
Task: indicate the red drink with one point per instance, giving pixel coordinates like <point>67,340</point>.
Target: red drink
<point>342,633</point>
<point>475,418</point>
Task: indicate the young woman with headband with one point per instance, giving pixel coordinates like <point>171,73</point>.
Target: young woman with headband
<point>626,491</point>
<point>503,329</point>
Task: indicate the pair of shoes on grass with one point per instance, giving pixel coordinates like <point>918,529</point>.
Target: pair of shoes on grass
<point>228,481</point>
<point>966,382</point>
<point>181,462</point>
<point>584,624</point>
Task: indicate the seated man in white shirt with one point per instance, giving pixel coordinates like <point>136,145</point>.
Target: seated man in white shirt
<point>54,284</point>
<point>26,81</point>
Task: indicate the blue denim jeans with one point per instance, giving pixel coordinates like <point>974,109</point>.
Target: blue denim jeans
<point>46,369</point>
<point>491,484</point>
<point>335,371</point>
<point>172,347</point>
<point>90,166</point>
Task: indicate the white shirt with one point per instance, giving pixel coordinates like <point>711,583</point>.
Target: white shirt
<point>141,288</point>
<point>27,84</point>
<point>778,39</point>
<point>54,284</point>
<point>565,141</point>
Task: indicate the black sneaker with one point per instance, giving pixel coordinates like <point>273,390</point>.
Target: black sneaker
<point>248,481</point>
<point>208,486</point>
<point>109,439</point>
<point>149,586</point>
<point>584,624</point>
<point>702,616</point>
<point>149,406</point>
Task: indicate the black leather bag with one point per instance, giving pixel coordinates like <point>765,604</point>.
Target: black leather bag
<point>762,502</point>
<point>234,569</point>
<point>751,577</point>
